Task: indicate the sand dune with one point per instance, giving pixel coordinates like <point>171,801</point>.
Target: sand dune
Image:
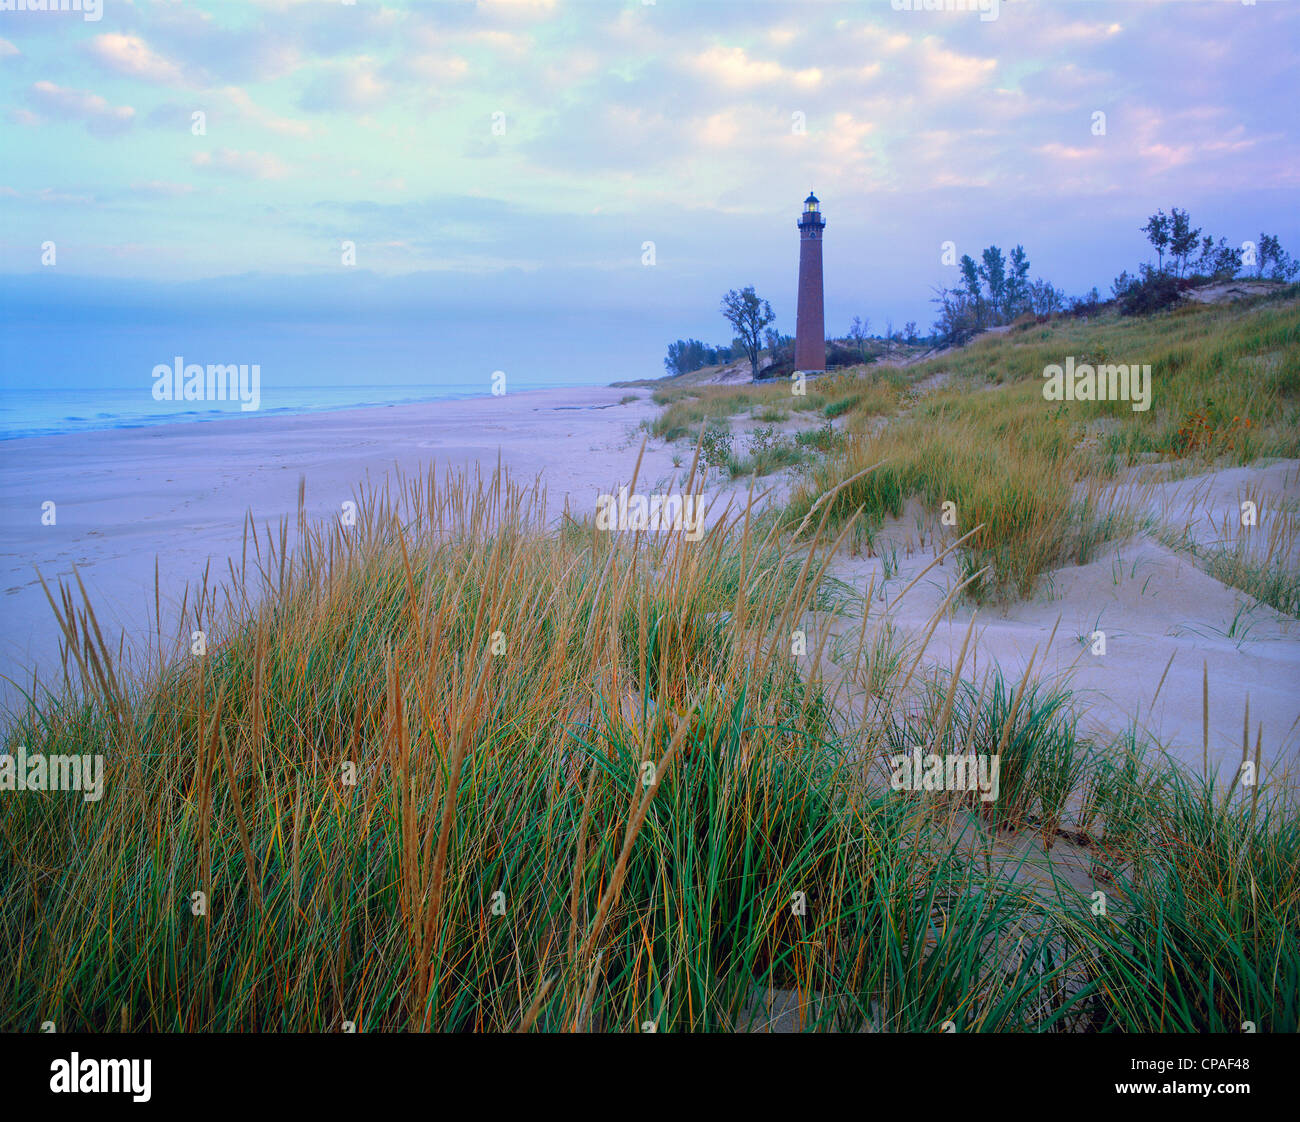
<point>179,493</point>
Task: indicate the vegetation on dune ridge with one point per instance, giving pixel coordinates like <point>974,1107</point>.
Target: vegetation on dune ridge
<point>971,426</point>
<point>1225,389</point>
<point>447,769</point>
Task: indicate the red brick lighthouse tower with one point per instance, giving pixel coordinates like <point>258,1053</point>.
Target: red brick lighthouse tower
<point>810,324</point>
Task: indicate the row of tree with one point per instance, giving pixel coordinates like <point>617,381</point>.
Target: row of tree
<point>996,290</point>
<point>860,338</point>
<point>687,355</point>
<point>1185,256</point>
<point>1189,253</point>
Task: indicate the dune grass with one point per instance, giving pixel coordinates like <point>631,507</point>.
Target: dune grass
<point>1262,559</point>
<point>687,405</point>
<point>454,769</point>
<point>1205,935</point>
<point>396,732</point>
<point>1225,388</point>
<point>628,816</point>
<point>1030,727</point>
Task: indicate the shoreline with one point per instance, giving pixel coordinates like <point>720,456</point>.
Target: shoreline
<point>144,420</point>
<point>180,491</point>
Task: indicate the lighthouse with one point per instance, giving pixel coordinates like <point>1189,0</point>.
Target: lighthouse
<point>810,323</point>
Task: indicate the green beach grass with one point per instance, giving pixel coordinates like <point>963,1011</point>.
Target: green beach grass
<point>456,768</point>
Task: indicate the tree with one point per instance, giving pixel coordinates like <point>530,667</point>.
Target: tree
<point>1205,261</point>
<point>858,333</point>
<point>686,355</point>
<point>993,271</point>
<point>748,315</point>
<point>1270,252</point>
<point>1045,298</point>
<point>1182,238</point>
<point>909,331</point>
<point>778,345</point>
<point>1157,232</point>
<point>1227,260</point>
<point>956,319</point>
<point>889,336</point>
<point>1219,262</point>
<point>1017,283</point>
<point>970,278</point>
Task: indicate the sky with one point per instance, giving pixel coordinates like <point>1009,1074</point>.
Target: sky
<point>561,189</point>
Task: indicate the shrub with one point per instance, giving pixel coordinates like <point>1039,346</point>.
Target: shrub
<point>1155,292</point>
<point>717,449</point>
<point>822,439</point>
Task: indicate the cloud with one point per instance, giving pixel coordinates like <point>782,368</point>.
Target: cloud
<point>131,56</point>
<point>431,67</point>
<point>1058,151</point>
<point>62,198</point>
<point>250,111</point>
<point>161,188</point>
<point>7,49</point>
<point>57,103</point>
<point>353,86</point>
<point>735,67</point>
<point>243,165</point>
<point>503,42</point>
<point>212,53</point>
<point>947,73</point>
<point>672,122</point>
<point>516,10</point>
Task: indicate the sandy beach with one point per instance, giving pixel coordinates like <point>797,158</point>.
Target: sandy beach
<point>179,494</point>
<point>532,516</point>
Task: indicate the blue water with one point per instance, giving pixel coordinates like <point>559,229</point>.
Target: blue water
<point>78,375</point>
<point>53,410</point>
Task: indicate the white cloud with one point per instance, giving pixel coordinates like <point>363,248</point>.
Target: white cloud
<point>51,102</point>
<point>436,67</point>
<point>947,73</point>
<point>131,56</point>
<point>249,110</point>
<point>734,67</point>
<point>244,165</point>
<point>354,86</point>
